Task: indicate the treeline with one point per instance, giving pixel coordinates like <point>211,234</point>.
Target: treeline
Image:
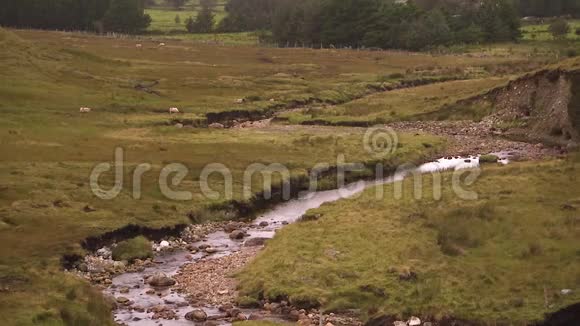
<point>100,15</point>
<point>375,23</point>
<point>549,8</point>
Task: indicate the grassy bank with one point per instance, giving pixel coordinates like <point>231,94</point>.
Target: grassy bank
<point>503,258</point>
<point>405,104</point>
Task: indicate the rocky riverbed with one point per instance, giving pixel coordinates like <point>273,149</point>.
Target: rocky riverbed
<point>190,278</point>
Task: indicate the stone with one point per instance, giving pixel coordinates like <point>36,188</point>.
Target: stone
<point>225,307</point>
<point>211,250</point>
<point>161,280</point>
<point>255,242</point>
<point>197,315</point>
<point>294,315</point>
<point>264,224</point>
<point>150,292</point>
<point>179,125</point>
<point>122,300</point>
<point>566,291</point>
<point>124,290</point>
<point>83,267</point>
<point>237,235</point>
<point>255,316</point>
<point>414,321</point>
<point>399,323</point>
<point>216,126</point>
<point>164,244</point>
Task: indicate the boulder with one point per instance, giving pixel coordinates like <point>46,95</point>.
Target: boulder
<point>161,280</point>
<point>237,235</point>
<point>197,315</point>
<point>122,300</point>
<point>211,250</point>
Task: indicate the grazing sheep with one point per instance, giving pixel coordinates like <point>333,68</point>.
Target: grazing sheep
<point>138,45</point>
<point>85,110</point>
<point>161,44</point>
<point>240,101</point>
<point>173,110</point>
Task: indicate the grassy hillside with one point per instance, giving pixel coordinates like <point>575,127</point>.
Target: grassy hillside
<point>46,206</point>
<point>503,258</point>
<point>51,149</point>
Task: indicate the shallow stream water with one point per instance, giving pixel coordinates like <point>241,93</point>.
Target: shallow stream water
<point>280,215</point>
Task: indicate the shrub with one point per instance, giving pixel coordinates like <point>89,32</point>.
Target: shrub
<point>136,248</point>
<point>578,31</point>
<point>488,159</point>
<point>571,53</point>
<point>559,28</point>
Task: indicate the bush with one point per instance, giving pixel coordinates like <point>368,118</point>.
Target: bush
<point>136,248</point>
<point>578,31</point>
<point>488,159</point>
<point>571,53</point>
<point>559,28</point>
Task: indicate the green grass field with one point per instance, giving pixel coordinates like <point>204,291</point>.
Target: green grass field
<point>163,17</point>
<point>500,259</point>
<point>50,148</point>
<point>540,32</point>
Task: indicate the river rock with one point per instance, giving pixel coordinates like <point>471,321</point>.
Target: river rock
<point>414,321</point>
<point>566,291</point>
<point>216,126</point>
<point>211,250</point>
<point>122,300</point>
<point>264,224</point>
<point>237,235</point>
<point>294,315</point>
<point>399,323</point>
<point>225,307</point>
<point>161,280</point>
<point>83,267</point>
<point>197,315</point>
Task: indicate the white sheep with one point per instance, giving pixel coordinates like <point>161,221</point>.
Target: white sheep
<point>240,101</point>
<point>173,110</point>
<point>138,45</point>
<point>161,44</point>
<point>85,110</point>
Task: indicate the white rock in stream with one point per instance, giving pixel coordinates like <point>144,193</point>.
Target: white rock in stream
<point>414,321</point>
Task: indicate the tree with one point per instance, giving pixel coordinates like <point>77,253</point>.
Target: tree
<point>559,29</point>
<point>204,21</point>
<point>177,19</point>
<point>126,16</point>
<point>190,25</point>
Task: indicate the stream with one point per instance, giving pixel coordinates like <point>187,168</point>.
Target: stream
<point>278,217</point>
